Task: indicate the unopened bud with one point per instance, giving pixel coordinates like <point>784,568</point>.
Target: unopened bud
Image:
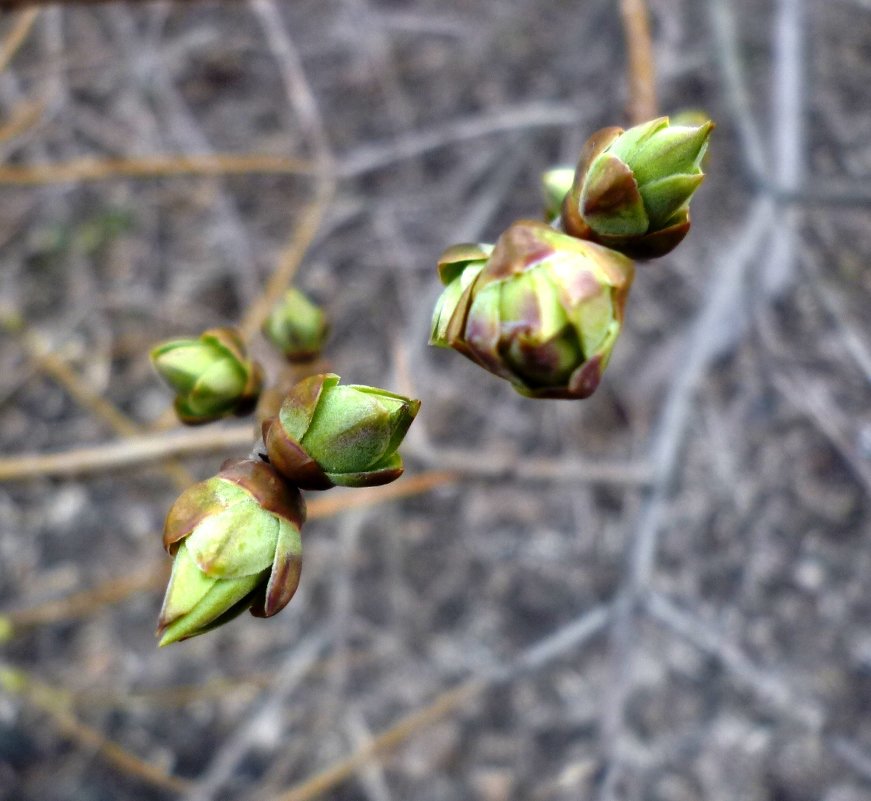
<point>327,435</point>
<point>236,544</point>
<point>632,188</point>
<point>211,376</point>
<point>555,185</point>
<point>543,311</point>
<point>297,327</point>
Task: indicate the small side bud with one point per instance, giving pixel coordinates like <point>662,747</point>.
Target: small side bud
<point>236,544</point>
<point>211,376</point>
<point>544,311</point>
<point>555,185</point>
<point>327,435</point>
<point>297,327</point>
<point>632,188</point>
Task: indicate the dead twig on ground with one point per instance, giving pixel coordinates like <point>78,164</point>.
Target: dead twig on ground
<point>567,638</point>
<point>56,705</point>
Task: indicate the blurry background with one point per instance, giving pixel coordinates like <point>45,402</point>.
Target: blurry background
<point>659,593</point>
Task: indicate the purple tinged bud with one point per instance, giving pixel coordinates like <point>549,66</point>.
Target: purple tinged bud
<point>543,311</point>
<point>631,189</point>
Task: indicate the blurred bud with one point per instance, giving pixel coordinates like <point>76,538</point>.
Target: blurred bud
<point>297,327</point>
<point>632,188</point>
<point>211,375</point>
<point>236,542</point>
<point>327,435</point>
<point>555,185</point>
<point>543,312</point>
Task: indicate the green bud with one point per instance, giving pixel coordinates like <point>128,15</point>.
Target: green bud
<point>458,267</point>
<point>555,185</point>
<point>297,327</point>
<point>631,189</point>
<point>211,375</point>
<point>327,435</point>
<point>543,312</point>
<point>236,542</point>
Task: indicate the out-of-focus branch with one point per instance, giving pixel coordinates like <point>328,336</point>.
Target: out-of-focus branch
<point>17,35</point>
<point>93,169</point>
<point>13,5</point>
<point>641,70</point>
<point>130,452</point>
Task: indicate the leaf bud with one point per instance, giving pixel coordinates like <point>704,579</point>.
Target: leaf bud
<point>543,311</point>
<point>235,539</point>
<point>632,188</point>
<point>211,375</point>
<point>297,327</point>
<point>326,434</point>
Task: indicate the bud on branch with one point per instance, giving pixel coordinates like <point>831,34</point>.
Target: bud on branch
<point>327,435</point>
<point>540,309</point>
<point>632,188</point>
<point>211,375</point>
<point>236,542</point>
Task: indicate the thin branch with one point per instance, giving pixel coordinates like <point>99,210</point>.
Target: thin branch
<point>302,99</point>
<point>168,166</point>
<point>407,726</point>
<point>17,35</point>
<point>290,257</point>
<point>641,69</point>
<point>369,158</point>
<point>725,38</point>
<point>23,117</point>
<point>722,299</point>
<point>371,496</point>
<point>81,604</point>
<point>131,452</point>
<point>11,5</point>
<point>83,393</point>
<point>225,761</point>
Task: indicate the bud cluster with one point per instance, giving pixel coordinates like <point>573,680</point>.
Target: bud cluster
<point>235,538</point>
<point>543,307</point>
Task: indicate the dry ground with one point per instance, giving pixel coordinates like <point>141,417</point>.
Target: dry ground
<point>660,593</point>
